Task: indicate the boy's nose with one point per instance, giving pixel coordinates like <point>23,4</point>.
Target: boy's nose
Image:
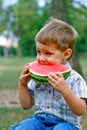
<point>43,59</point>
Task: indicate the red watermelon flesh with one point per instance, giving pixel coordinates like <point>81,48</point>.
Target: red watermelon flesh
<point>39,71</point>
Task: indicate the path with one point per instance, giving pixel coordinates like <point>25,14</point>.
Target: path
<point>9,98</point>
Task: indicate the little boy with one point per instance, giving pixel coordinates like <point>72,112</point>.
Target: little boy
<point>60,105</point>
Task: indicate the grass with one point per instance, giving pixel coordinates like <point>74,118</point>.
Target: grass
<point>10,116</point>
<point>10,70</point>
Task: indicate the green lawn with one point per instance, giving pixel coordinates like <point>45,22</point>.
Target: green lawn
<point>10,70</point>
<point>10,116</point>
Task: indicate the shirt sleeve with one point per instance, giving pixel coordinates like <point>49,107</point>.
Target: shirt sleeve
<point>77,84</point>
<point>31,86</point>
<point>80,88</point>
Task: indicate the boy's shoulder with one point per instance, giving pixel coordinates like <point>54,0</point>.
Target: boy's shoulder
<point>74,73</point>
<point>75,77</point>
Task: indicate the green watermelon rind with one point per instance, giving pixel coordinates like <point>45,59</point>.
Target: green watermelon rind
<point>42,79</point>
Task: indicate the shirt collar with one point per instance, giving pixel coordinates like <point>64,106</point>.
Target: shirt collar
<point>68,65</point>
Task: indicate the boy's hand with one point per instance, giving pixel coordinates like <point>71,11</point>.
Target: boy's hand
<point>25,76</point>
<point>57,81</point>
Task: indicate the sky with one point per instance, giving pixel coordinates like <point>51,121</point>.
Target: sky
<point>8,2</point>
<point>7,42</point>
<point>84,2</point>
<point>41,2</point>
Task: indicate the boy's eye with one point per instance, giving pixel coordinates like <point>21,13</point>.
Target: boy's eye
<point>48,53</point>
<point>38,52</point>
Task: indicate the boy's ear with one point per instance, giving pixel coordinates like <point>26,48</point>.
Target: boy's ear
<point>68,53</point>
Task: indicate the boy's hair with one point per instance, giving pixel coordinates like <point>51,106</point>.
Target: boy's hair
<point>57,32</point>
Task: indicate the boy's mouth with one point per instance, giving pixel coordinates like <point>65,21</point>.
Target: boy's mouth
<point>43,62</point>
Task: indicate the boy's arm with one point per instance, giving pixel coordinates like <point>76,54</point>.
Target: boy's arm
<point>77,105</point>
<point>25,97</point>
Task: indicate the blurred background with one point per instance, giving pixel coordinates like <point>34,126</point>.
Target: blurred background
<point>20,20</point>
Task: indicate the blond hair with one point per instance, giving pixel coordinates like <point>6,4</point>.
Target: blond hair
<point>59,33</point>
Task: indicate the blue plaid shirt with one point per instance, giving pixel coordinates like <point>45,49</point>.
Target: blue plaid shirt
<point>48,100</point>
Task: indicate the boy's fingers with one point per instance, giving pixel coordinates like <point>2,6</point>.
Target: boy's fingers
<point>59,74</point>
<point>26,66</point>
<point>52,77</point>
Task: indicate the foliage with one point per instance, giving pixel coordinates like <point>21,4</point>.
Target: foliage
<point>78,18</point>
<point>2,20</point>
<point>26,25</point>
<point>1,51</point>
<point>24,19</point>
<point>11,51</point>
<point>29,21</point>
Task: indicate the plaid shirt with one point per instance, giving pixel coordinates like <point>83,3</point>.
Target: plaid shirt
<point>49,100</point>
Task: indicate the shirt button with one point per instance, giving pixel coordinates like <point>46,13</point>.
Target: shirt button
<point>49,91</point>
<point>48,107</point>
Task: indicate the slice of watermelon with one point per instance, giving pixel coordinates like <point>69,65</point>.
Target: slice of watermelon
<point>39,72</point>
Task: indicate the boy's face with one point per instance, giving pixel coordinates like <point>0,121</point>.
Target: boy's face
<point>49,54</point>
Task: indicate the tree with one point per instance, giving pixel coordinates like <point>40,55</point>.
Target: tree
<point>59,9</point>
<point>30,18</point>
<point>25,18</point>
<point>25,26</point>
<point>2,22</point>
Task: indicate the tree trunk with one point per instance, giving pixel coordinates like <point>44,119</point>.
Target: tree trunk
<point>59,10</point>
<point>19,49</point>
